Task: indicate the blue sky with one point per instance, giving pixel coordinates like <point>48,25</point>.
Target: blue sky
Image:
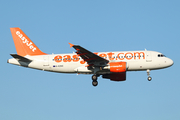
<point>97,25</point>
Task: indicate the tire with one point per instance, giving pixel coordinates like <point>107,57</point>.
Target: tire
<point>94,78</point>
<point>95,83</point>
<point>149,78</point>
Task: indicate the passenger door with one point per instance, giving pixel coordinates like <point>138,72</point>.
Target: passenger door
<point>148,56</point>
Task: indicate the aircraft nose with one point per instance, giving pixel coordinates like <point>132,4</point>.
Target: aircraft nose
<point>170,62</point>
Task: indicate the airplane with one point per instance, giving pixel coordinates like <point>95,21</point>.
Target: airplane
<point>109,65</point>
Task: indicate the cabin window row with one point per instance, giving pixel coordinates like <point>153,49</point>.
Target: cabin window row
<point>103,57</point>
<point>125,56</point>
<point>67,59</point>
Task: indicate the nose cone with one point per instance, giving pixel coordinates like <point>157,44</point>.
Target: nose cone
<point>170,62</point>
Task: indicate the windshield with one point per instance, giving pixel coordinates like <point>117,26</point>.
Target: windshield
<point>161,55</point>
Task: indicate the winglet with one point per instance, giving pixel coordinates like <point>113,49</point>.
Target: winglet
<point>71,45</point>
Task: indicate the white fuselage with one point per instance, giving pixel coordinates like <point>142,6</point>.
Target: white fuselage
<point>71,63</point>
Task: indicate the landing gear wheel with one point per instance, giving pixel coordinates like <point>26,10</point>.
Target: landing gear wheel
<point>149,78</point>
<point>95,83</point>
<point>94,78</point>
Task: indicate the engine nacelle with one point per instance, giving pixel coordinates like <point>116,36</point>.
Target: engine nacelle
<point>115,76</point>
<point>117,67</point>
<point>118,71</point>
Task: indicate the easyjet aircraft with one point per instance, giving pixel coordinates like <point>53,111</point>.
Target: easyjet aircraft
<point>109,65</point>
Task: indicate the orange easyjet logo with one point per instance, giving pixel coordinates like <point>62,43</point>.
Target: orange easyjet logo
<point>25,41</point>
<point>109,56</point>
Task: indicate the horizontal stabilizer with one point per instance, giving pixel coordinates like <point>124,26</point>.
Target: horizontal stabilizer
<point>18,57</point>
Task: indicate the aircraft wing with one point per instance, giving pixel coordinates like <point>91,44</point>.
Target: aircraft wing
<point>89,57</point>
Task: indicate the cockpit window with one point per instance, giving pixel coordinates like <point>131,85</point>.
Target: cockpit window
<point>161,55</point>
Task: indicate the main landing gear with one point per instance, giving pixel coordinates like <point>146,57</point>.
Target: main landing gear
<point>148,73</point>
<point>94,78</point>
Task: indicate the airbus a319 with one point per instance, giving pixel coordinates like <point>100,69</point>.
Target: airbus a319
<point>109,65</point>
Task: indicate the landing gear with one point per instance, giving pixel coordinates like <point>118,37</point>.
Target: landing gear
<point>149,78</point>
<point>148,73</point>
<point>94,77</point>
<point>95,82</point>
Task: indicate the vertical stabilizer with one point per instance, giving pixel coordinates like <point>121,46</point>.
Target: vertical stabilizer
<point>24,46</point>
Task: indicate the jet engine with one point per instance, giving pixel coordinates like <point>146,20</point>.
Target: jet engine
<point>118,71</point>
<point>117,67</point>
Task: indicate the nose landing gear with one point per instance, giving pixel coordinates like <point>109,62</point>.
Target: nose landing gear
<point>149,78</point>
<point>148,73</point>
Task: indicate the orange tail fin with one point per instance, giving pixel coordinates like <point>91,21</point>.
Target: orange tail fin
<point>24,46</point>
